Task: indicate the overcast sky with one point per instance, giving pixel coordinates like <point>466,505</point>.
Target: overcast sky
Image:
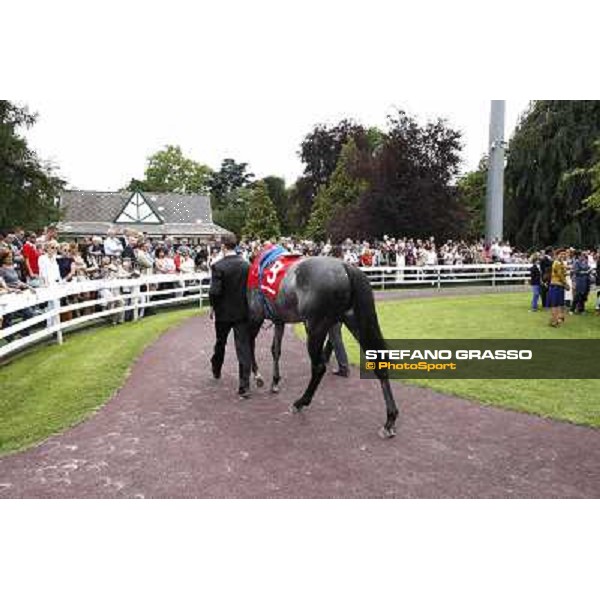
<point>101,143</point>
<point>116,80</point>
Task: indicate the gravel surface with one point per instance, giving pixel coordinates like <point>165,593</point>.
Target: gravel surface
<point>174,432</point>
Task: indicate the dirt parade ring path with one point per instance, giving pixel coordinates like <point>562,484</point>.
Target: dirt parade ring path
<point>174,432</point>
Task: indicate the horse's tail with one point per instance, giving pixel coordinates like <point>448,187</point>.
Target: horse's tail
<point>363,306</point>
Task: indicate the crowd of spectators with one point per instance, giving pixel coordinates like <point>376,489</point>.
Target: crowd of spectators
<point>171,255</point>
<point>35,255</point>
<point>409,252</point>
<point>561,279</point>
<point>41,260</point>
<point>30,260</point>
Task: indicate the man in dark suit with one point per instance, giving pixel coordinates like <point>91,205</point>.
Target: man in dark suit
<point>546,272</point>
<point>229,304</point>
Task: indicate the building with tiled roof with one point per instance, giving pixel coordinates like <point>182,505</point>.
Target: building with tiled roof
<point>86,213</point>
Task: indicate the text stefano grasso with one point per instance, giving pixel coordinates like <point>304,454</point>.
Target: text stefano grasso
<point>497,354</point>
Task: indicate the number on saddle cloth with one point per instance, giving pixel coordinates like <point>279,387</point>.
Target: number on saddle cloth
<point>268,262</point>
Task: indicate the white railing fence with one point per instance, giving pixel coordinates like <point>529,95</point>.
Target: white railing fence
<point>444,275</point>
<point>51,311</point>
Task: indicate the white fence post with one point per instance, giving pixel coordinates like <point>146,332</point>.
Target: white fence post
<point>54,305</point>
<point>135,299</point>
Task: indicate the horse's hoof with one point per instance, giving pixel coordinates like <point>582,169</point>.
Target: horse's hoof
<point>274,389</point>
<point>259,381</point>
<point>386,434</point>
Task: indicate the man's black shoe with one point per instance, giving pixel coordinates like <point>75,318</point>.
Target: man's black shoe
<point>342,372</point>
<point>244,394</point>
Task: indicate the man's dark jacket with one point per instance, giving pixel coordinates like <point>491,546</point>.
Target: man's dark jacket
<point>535,274</point>
<point>227,293</point>
<point>546,268</point>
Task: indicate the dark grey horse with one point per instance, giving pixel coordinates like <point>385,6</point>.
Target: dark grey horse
<point>321,291</point>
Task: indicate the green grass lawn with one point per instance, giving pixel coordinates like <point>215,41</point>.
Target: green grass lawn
<point>496,316</point>
<point>53,387</point>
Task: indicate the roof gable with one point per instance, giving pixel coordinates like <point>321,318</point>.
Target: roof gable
<point>137,210</point>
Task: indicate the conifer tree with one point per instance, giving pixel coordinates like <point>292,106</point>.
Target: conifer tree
<point>262,222</point>
<point>343,190</point>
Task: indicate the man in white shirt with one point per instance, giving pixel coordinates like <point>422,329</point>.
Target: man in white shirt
<point>495,251</point>
<point>591,261</point>
<point>431,257</point>
<point>112,245</point>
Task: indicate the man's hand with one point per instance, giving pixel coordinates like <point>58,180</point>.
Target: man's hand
<point>211,314</point>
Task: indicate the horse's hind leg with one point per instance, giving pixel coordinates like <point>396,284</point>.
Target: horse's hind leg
<point>254,329</point>
<point>317,332</point>
<point>389,429</point>
<point>276,353</point>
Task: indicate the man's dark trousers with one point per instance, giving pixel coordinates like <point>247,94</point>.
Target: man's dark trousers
<point>546,271</point>
<point>242,348</point>
<point>544,294</point>
<point>335,343</point>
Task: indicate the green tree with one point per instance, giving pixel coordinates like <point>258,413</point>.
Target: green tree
<point>300,198</point>
<point>280,197</point>
<point>550,174</point>
<point>471,189</point>
<point>29,188</point>
<point>319,151</point>
<point>168,170</point>
<point>343,190</point>
<point>592,176</point>
<point>234,212</point>
<point>230,177</point>
<point>321,148</point>
<point>261,221</point>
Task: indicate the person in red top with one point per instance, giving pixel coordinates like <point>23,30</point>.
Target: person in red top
<point>177,261</point>
<point>31,255</point>
<point>366,257</point>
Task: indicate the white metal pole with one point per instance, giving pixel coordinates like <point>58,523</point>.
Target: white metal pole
<point>494,205</point>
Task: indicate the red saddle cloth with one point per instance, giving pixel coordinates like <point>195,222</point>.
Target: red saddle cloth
<point>269,281</point>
